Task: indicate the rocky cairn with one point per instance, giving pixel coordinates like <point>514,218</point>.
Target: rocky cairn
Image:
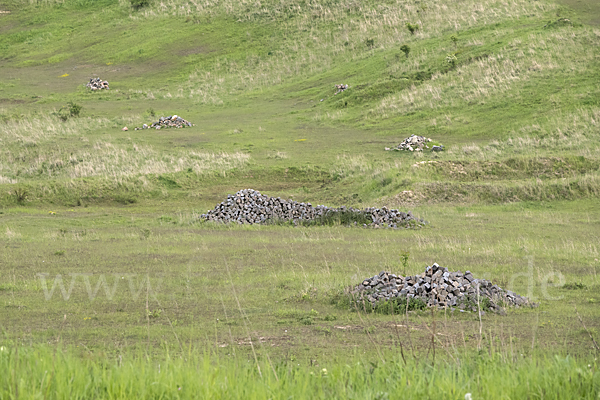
<point>340,88</point>
<point>250,207</point>
<point>438,287</point>
<point>172,121</point>
<point>414,143</point>
<point>97,84</point>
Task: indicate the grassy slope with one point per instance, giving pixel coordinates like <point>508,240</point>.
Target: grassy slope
<point>518,114</point>
<point>252,80</point>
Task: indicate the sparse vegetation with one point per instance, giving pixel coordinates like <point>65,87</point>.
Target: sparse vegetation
<point>574,286</point>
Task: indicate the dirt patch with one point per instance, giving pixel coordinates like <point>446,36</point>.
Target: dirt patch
<point>272,341</point>
<point>349,327</point>
<point>13,101</point>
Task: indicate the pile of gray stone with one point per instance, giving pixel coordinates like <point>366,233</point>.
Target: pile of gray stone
<point>97,84</point>
<point>172,121</point>
<point>341,87</point>
<point>413,143</point>
<point>251,207</point>
<point>438,287</point>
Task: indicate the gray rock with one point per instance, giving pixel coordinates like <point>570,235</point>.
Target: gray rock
<point>447,289</point>
<point>412,143</point>
<point>97,84</point>
<point>169,122</point>
<point>250,206</point>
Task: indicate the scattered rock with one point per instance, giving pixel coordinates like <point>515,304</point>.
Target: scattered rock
<point>340,88</point>
<point>412,143</point>
<point>124,129</point>
<point>97,84</point>
<point>438,287</point>
<point>172,121</point>
<point>250,207</point>
<point>438,148</point>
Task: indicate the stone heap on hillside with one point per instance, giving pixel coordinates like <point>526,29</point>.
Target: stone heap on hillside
<point>438,287</point>
<point>250,207</point>
<point>412,143</point>
<point>172,121</point>
<point>97,84</point>
<point>340,88</point>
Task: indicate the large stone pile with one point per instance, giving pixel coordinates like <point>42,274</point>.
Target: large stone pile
<point>97,84</point>
<point>412,143</point>
<point>438,287</point>
<point>172,121</point>
<point>250,207</point>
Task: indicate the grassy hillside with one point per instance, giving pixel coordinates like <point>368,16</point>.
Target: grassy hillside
<point>510,88</point>
<point>507,84</point>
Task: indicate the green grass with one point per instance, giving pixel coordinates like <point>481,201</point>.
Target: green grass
<point>283,276</point>
<point>514,195</point>
<point>42,372</point>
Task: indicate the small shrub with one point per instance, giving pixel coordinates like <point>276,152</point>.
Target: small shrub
<point>137,4</point>
<point>370,43</point>
<point>454,40</point>
<point>451,60</point>
<point>405,49</point>
<point>20,195</point>
<point>74,109</point>
<point>68,111</point>
<point>574,286</point>
<point>412,28</point>
<point>62,113</point>
<point>404,258</point>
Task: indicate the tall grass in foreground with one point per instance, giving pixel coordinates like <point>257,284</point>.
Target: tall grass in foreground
<point>44,372</point>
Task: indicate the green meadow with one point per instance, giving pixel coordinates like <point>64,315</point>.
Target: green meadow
<point>112,286</point>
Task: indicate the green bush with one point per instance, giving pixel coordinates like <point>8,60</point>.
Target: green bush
<point>451,60</point>
<point>405,49</point>
<point>74,109</point>
<point>137,4</point>
<point>412,28</point>
<point>68,111</point>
